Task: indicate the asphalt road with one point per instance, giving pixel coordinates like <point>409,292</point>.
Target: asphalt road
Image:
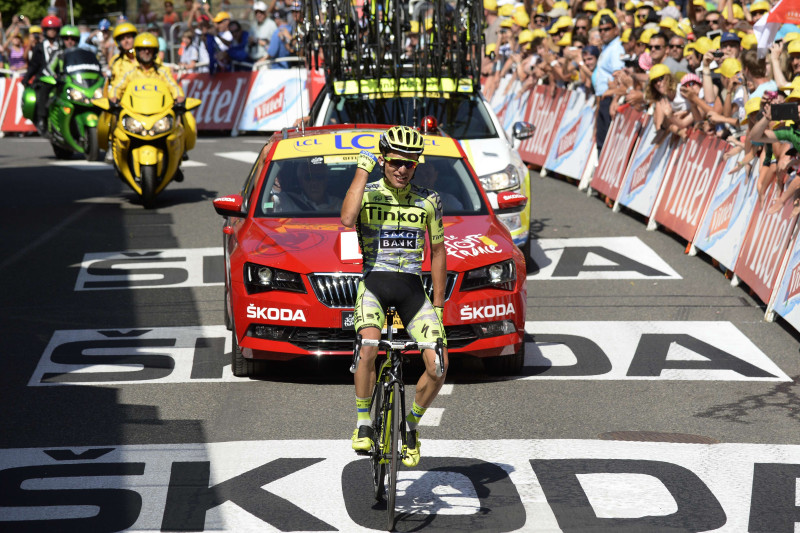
<point>655,398</point>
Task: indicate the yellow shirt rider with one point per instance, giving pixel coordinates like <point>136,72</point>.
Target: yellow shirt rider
<point>145,47</point>
<point>125,60</point>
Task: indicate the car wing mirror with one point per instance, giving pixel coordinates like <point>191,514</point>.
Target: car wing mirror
<point>511,200</point>
<point>523,130</point>
<point>230,206</point>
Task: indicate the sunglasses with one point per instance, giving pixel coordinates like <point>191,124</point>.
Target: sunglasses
<point>675,46</point>
<point>605,29</point>
<point>656,46</point>
<point>397,162</point>
<point>70,38</point>
<point>712,21</point>
<point>581,27</point>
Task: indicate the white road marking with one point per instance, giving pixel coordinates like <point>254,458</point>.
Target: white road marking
<point>83,165</point>
<point>432,416</point>
<point>627,479</point>
<point>646,350</point>
<point>599,258</point>
<point>244,157</point>
<point>446,389</point>
<point>191,163</point>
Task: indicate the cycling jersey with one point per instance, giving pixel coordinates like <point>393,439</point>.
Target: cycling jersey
<point>392,223</point>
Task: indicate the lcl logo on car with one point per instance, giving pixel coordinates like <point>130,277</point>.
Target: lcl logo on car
<point>540,485</point>
<point>146,269</point>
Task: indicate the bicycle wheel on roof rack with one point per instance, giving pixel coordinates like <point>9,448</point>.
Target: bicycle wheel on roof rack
<point>476,41</point>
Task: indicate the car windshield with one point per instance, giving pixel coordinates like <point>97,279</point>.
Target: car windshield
<point>315,186</point>
<point>460,116</point>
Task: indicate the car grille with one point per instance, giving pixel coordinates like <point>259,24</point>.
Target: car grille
<point>341,340</point>
<point>339,290</point>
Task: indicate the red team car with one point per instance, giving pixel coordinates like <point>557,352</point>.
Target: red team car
<point>292,268</point>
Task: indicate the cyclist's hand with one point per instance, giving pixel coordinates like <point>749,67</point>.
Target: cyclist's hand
<point>366,161</point>
<point>439,313</point>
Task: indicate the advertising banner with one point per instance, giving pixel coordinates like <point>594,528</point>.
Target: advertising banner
<point>689,186</point>
<point>13,121</point>
<point>764,245</point>
<point>725,223</point>
<point>316,82</point>
<point>647,170</point>
<point>574,140</point>
<point>620,142</point>
<point>500,98</point>
<point>516,108</point>
<point>278,98</point>
<point>545,108</point>
<point>787,296</point>
<point>223,96</point>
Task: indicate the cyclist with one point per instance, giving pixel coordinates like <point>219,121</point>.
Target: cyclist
<point>392,216</point>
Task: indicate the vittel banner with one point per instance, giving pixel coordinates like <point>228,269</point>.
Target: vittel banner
<point>545,109</point>
<point>647,170</point>
<point>620,143</point>
<point>223,96</point>
<point>787,295</point>
<point>277,99</point>
<point>574,141</point>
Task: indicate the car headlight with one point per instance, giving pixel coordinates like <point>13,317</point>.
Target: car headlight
<point>98,93</point>
<point>260,278</point>
<point>500,181</point>
<point>77,96</point>
<point>512,221</point>
<point>163,124</point>
<point>132,125</point>
<point>501,275</point>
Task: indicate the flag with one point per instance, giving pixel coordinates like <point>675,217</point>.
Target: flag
<point>784,12</point>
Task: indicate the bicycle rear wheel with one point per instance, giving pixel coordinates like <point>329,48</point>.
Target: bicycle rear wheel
<point>394,460</point>
<point>375,461</point>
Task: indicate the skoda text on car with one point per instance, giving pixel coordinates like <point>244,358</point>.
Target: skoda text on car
<point>292,268</point>
<point>461,112</point>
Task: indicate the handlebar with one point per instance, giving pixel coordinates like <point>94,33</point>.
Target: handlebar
<point>437,347</point>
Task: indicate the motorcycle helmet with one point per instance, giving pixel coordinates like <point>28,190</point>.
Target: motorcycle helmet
<point>70,31</point>
<point>51,21</point>
<point>144,41</point>
<point>123,29</point>
<point>104,25</point>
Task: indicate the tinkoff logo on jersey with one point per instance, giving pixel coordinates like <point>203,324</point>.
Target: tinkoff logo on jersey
<point>398,239</point>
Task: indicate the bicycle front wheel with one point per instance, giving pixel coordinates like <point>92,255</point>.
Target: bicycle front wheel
<point>376,460</point>
<point>394,460</point>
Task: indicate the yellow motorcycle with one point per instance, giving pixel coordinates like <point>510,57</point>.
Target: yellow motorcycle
<point>150,136</point>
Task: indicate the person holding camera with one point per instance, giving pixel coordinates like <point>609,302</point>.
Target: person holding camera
<point>283,42</point>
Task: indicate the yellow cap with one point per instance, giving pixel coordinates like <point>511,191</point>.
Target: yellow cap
<point>539,33</point>
<point>631,6</point>
<point>561,5</point>
<point>490,5</point>
<point>591,5</point>
<point>505,10</point>
<point>600,14</point>
<point>658,70</point>
<point>677,31</point>
<point>520,18</point>
<point>506,23</point>
<point>626,35</point>
<point>729,68</point>
<point>222,15</point>
<point>645,36</point>
<point>668,22</point>
<point>794,47</point>
<point>715,42</point>
<point>794,96</point>
<point>35,29</point>
<point>525,36</point>
<point>685,25</point>
<point>750,107</point>
<point>689,49</point>
<point>761,5</point>
<point>749,41</point>
<point>540,9</point>
<point>795,84</point>
<point>566,39</point>
<point>703,45</point>
<point>699,3</point>
<point>490,48</point>
<point>791,36</point>
<point>738,12</point>
<point>562,22</point>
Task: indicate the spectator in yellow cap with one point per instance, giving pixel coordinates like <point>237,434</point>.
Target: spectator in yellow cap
<point>658,47</point>
<point>749,41</point>
<point>758,10</point>
<point>589,6</point>
<point>492,21</point>
<point>520,19</point>
<point>697,11</point>
<point>660,92</point>
<point>734,94</point>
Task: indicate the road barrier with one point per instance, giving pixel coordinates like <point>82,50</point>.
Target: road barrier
<point>687,185</point>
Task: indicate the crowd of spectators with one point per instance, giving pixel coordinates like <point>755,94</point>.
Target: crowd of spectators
<point>693,67</point>
<point>197,39</point>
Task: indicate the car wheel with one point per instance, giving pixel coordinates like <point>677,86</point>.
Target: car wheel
<point>506,365</point>
<point>241,366</point>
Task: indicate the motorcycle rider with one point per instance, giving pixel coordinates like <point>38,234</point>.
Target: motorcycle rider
<point>39,64</point>
<point>125,34</point>
<point>70,36</point>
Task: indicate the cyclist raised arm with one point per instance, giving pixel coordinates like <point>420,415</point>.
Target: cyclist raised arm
<point>392,217</point>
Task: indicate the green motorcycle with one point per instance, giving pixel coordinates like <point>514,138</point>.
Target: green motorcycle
<point>72,118</point>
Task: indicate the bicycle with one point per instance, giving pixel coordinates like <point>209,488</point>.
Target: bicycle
<point>388,408</point>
